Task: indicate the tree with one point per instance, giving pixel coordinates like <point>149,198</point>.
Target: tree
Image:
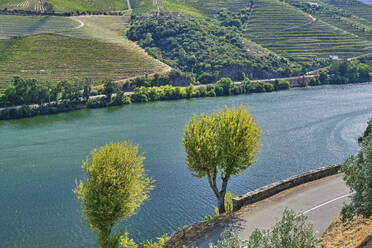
<point>221,144</point>
<point>87,89</point>
<point>109,88</point>
<point>358,176</point>
<point>116,185</point>
<point>227,84</point>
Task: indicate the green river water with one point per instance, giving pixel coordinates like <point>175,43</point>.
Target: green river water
<point>40,158</point>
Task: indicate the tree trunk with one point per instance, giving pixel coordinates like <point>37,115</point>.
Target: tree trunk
<point>221,204</point>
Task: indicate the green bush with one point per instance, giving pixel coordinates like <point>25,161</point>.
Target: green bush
<point>282,85</point>
<point>358,176</point>
<point>97,102</point>
<point>269,87</point>
<point>314,81</point>
<point>291,231</point>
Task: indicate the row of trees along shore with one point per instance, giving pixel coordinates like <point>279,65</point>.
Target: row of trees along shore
<point>218,146</point>
<point>37,98</point>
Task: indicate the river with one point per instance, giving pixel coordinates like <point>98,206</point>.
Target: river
<point>40,158</point>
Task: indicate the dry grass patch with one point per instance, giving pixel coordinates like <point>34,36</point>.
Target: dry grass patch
<point>350,234</point>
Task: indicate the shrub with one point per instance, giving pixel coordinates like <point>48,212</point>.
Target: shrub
<point>314,81</point>
<point>269,87</point>
<point>229,206</point>
<point>358,176</point>
<point>291,231</point>
<point>282,85</point>
<point>97,102</point>
<point>120,99</point>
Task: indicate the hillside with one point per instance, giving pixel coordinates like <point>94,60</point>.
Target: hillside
<point>64,5</point>
<point>206,50</point>
<point>289,31</point>
<point>54,48</point>
<point>342,18</point>
<point>355,7</point>
<point>51,57</point>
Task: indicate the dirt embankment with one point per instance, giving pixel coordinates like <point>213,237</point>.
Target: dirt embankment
<point>355,233</point>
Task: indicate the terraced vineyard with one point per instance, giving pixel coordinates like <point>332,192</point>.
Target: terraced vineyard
<point>75,47</point>
<point>143,6</point>
<point>336,16</point>
<point>11,26</point>
<point>272,16</point>
<point>51,57</point>
<point>64,5</point>
<point>211,7</point>
<point>287,30</point>
<point>355,7</point>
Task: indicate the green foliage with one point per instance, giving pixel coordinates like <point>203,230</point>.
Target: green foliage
<point>96,102</point>
<point>216,212</point>
<point>116,185</point>
<point>282,85</point>
<point>291,231</point>
<point>223,143</point>
<point>314,81</point>
<point>344,71</point>
<point>207,50</point>
<point>167,92</point>
<point>229,239</point>
<point>127,242</point>
<point>160,244</point>
<point>109,88</point>
<point>229,206</point>
<point>358,176</point>
<point>120,99</point>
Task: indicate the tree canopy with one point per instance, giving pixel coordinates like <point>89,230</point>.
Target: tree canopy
<point>116,185</point>
<point>221,144</point>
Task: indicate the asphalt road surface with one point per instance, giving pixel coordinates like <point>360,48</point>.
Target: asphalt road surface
<point>321,201</point>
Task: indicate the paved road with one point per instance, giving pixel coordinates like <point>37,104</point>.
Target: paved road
<point>321,201</point>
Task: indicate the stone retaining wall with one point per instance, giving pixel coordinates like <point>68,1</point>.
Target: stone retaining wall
<point>275,188</point>
<point>190,233</point>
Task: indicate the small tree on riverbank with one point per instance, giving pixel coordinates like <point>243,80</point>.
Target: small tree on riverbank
<point>221,144</point>
<point>116,185</point>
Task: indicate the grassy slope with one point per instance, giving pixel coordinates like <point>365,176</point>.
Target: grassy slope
<point>50,57</point>
<point>98,49</point>
<point>67,5</point>
<point>283,28</point>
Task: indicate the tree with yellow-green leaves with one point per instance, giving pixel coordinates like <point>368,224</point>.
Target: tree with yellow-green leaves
<point>116,185</point>
<point>222,144</point>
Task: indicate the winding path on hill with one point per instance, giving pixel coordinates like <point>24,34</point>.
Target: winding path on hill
<point>82,24</point>
<point>321,201</point>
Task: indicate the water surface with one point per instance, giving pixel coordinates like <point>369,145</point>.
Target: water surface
<point>40,158</point>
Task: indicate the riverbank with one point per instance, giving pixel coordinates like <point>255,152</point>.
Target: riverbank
<point>150,94</point>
